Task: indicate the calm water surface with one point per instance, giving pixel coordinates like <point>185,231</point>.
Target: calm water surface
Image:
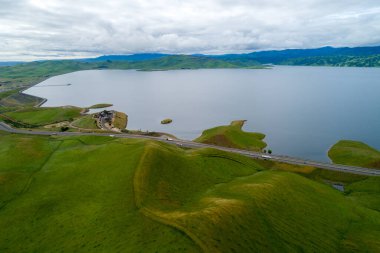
<point>302,110</point>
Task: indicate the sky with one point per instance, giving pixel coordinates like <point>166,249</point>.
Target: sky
<point>50,29</point>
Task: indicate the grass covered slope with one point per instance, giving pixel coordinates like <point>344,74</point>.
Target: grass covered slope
<point>355,153</point>
<point>233,136</point>
<point>86,122</point>
<point>366,191</point>
<point>102,194</point>
<point>227,203</point>
<point>120,120</point>
<point>77,197</point>
<point>44,115</point>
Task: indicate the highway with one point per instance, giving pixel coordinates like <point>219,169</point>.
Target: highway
<point>191,144</point>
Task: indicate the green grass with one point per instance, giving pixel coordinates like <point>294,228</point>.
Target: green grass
<point>365,191</point>
<point>44,115</point>
<point>233,136</point>
<point>120,120</point>
<point>355,153</point>
<point>4,109</point>
<point>102,194</point>
<point>227,203</point>
<point>80,199</point>
<point>86,122</point>
<point>5,94</point>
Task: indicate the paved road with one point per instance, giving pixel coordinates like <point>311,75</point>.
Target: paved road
<point>190,144</point>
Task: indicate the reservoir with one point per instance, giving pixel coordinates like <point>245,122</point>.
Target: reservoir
<point>302,110</point>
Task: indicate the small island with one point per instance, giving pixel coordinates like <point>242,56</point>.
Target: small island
<point>166,121</point>
<point>98,106</point>
<point>232,136</point>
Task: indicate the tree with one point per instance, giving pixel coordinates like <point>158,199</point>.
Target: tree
<point>269,151</point>
<point>64,128</point>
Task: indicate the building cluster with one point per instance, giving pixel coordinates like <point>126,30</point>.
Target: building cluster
<point>105,119</point>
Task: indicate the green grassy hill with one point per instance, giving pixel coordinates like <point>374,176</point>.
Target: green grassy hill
<point>86,122</point>
<point>102,194</point>
<point>366,191</point>
<point>233,136</point>
<point>45,115</point>
<point>76,195</point>
<point>355,153</point>
<point>120,120</point>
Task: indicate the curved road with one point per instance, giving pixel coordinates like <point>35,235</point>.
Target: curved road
<point>191,144</point>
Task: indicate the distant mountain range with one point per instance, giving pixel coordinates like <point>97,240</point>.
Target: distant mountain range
<point>132,57</point>
<point>325,56</point>
<point>285,56</point>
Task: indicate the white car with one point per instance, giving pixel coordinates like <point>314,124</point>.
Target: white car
<point>169,139</point>
<point>111,135</point>
<point>266,156</point>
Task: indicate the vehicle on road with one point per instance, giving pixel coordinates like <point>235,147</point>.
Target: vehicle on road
<point>266,156</point>
<point>169,139</point>
<point>111,135</point>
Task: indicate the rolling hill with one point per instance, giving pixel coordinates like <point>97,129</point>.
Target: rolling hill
<point>355,153</point>
<point>232,136</point>
<point>101,194</point>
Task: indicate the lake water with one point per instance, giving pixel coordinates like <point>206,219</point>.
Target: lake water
<point>302,110</point>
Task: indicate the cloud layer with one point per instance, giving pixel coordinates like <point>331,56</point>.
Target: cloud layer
<point>38,29</point>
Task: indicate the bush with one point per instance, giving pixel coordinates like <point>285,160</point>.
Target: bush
<point>64,128</point>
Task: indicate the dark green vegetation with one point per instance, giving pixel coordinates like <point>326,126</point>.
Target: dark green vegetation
<point>101,194</point>
<point>166,121</point>
<point>97,106</point>
<point>337,61</point>
<point>355,153</point>
<point>325,56</point>
<point>193,62</point>
<point>233,136</point>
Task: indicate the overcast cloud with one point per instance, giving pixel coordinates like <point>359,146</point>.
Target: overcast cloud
<point>38,29</point>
